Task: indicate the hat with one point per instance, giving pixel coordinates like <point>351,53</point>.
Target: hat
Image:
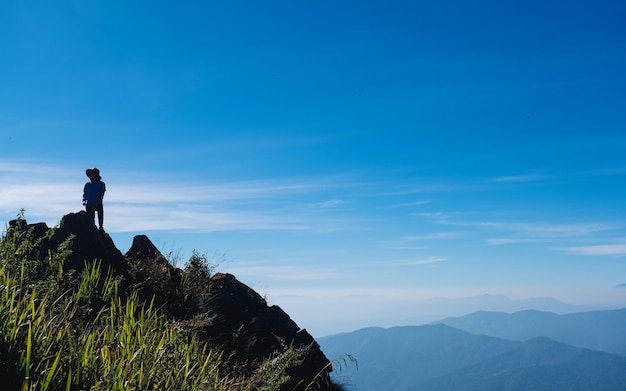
<point>96,172</point>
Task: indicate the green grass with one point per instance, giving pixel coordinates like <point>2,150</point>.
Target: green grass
<point>126,345</point>
<point>65,331</point>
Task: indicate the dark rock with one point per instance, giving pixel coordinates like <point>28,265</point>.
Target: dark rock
<point>142,250</point>
<point>248,329</point>
<point>87,243</point>
<point>144,255</point>
<point>241,323</point>
<point>36,230</point>
<point>159,280</point>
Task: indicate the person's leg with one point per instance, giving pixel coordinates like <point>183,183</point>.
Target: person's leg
<point>100,210</point>
<point>91,211</point>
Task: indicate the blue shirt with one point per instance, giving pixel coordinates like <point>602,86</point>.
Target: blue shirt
<point>94,192</point>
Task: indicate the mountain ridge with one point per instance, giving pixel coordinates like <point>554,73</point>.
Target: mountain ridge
<point>539,364</point>
<point>596,330</point>
<point>353,312</point>
<point>439,357</point>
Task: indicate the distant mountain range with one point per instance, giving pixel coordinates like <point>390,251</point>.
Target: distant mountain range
<point>597,330</point>
<point>439,357</point>
<point>353,312</point>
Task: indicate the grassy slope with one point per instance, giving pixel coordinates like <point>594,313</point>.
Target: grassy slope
<point>61,330</point>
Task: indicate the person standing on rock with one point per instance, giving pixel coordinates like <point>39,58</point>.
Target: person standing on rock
<point>93,193</point>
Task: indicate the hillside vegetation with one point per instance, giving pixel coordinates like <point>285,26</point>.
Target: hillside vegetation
<point>148,327</point>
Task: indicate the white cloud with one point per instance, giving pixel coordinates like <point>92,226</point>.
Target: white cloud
<point>549,230</point>
<point>284,273</point>
<point>520,178</point>
<point>604,249</point>
<point>433,236</point>
<point>605,171</point>
<point>47,193</point>
<point>409,248</point>
<point>158,193</point>
<point>421,261</point>
<point>430,188</point>
<point>28,170</point>
<point>411,204</point>
<point>440,217</point>
<point>198,218</point>
<point>328,204</point>
<point>504,241</point>
<point>528,230</point>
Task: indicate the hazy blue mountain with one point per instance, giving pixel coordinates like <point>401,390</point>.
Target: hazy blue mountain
<point>354,312</point>
<point>597,330</point>
<point>539,364</point>
<point>440,357</point>
<point>405,355</point>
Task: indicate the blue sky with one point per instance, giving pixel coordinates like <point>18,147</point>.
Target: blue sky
<point>395,150</point>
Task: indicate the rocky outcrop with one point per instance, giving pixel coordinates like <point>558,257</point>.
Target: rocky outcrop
<point>143,251</point>
<point>78,233</point>
<point>246,327</point>
<point>239,322</point>
<point>235,318</point>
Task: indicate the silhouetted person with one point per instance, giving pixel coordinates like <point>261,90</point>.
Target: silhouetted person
<point>93,193</point>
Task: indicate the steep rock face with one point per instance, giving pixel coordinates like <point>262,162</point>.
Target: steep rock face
<point>161,281</point>
<point>248,328</point>
<point>142,250</point>
<point>239,321</point>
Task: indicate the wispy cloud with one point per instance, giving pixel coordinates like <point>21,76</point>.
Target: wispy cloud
<point>605,171</point>
<point>433,236</point>
<point>426,187</point>
<point>284,273</point>
<point>524,229</point>
<point>27,170</point>
<point>549,230</point>
<point>231,191</point>
<point>420,261</point>
<point>198,218</point>
<point>411,204</point>
<point>446,218</point>
<point>49,192</point>
<point>520,178</point>
<point>421,242</point>
<point>604,249</point>
<point>505,241</point>
<point>328,204</point>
